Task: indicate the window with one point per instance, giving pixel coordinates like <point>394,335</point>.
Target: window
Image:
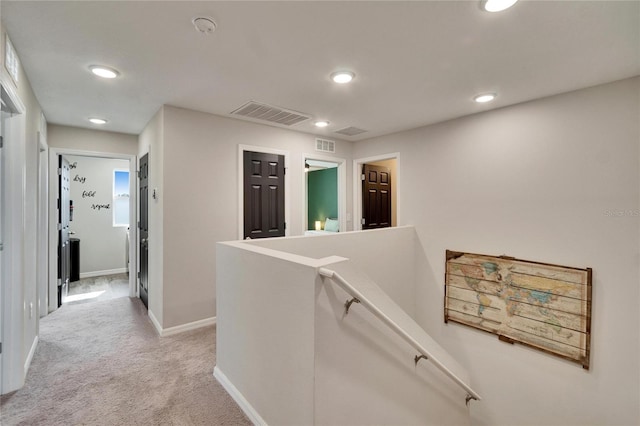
<point>120,198</point>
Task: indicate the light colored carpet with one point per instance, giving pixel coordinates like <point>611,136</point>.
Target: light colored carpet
<point>88,290</point>
<point>103,363</point>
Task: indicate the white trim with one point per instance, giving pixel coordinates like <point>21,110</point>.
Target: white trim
<point>101,273</point>
<point>155,322</point>
<point>357,186</point>
<point>12,287</point>
<point>164,332</point>
<point>287,197</point>
<point>242,402</point>
<point>32,352</point>
<point>42,274</point>
<point>54,152</point>
<point>342,189</point>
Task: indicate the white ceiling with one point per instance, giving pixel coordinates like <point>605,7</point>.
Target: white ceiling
<point>416,62</point>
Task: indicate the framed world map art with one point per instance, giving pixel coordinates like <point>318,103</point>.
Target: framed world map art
<point>543,306</point>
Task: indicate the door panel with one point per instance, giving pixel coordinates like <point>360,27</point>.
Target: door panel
<point>263,195</point>
<point>376,197</point>
<point>64,215</point>
<point>144,229</point>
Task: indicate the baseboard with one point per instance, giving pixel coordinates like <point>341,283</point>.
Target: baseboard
<point>101,273</point>
<point>32,352</point>
<point>155,322</point>
<point>164,332</point>
<point>242,402</point>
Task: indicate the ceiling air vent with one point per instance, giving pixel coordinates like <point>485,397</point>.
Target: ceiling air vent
<point>269,113</point>
<point>325,145</point>
<point>350,131</point>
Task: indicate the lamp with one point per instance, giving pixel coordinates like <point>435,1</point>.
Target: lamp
<point>318,225</point>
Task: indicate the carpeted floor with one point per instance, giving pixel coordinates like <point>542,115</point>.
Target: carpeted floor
<point>88,290</point>
<point>102,363</point>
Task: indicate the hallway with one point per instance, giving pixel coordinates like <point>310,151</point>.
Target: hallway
<point>102,363</point>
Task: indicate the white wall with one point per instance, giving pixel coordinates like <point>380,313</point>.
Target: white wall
<point>371,251</point>
<point>282,327</point>
<point>264,338</point>
<point>27,324</point>
<point>200,179</point>
<point>78,139</point>
<point>554,180</point>
<point>102,246</point>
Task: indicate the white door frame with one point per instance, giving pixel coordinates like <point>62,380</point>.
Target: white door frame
<point>42,273</point>
<point>287,193</point>
<point>342,189</point>
<point>357,186</point>
<point>12,280</point>
<point>53,220</point>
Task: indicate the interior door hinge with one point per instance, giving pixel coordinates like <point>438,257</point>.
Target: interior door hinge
<point>138,274</point>
<point>138,224</point>
<point>59,171</point>
<point>0,347</point>
<point>285,225</point>
<point>1,248</point>
<point>362,176</point>
<point>362,221</point>
<point>1,142</point>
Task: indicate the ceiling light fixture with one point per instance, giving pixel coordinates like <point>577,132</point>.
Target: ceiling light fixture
<point>496,5</point>
<point>342,77</point>
<point>98,120</point>
<point>104,72</point>
<point>204,25</point>
<point>484,98</point>
<point>321,123</point>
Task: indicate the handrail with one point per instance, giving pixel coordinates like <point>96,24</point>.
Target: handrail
<point>360,298</point>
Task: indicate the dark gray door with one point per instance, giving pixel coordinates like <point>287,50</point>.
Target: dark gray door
<point>263,195</point>
<point>376,197</point>
<point>144,229</point>
<point>64,213</point>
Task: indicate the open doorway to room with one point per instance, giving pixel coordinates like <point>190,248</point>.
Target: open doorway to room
<point>376,180</point>
<point>92,215</point>
<point>324,195</point>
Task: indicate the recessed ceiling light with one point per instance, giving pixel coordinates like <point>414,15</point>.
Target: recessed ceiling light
<point>496,5</point>
<point>98,120</point>
<point>321,123</point>
<point>204,24</point>
<point>104,72</point>
<point>485,97</point>
<point>342,77</point>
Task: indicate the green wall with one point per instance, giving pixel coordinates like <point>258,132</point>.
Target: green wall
<point>322,191</point>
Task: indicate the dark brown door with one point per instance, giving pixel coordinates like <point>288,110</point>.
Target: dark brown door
<point>376,197</point>
<point>64,214</point>
<point>144,229</point>
<point>263,195</point>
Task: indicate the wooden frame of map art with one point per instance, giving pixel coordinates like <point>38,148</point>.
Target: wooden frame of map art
<point>540,305</point>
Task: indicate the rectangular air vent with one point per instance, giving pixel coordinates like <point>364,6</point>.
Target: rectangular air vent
<point>269,113</point>
<point>350,131</point>
<point>325,145</point>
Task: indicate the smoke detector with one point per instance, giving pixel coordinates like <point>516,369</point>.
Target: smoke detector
<point>204,25</point>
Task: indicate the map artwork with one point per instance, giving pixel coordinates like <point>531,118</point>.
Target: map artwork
<point>547,307</point>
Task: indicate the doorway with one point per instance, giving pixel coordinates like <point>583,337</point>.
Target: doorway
<point>324,194</point>
<point>143,225</point>
<point>102,241</point>
<point>371,173</point>
<point>263,185</point>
